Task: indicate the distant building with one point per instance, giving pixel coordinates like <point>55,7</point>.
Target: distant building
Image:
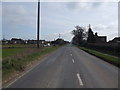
<point>95,38</point>
<point>115,40</point>
<point>21,41</point>
<point>13,41</point>
<point>17,41</point>
<point>59,41</point>
<point>31,41</point>
<point>100,39</point>
<point>4,41</point>
<point>35,41</point>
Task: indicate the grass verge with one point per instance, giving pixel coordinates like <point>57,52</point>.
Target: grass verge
<point>19,64</point>
<point>112,60</point>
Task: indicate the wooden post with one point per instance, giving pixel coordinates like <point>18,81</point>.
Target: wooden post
<point>38,27</point>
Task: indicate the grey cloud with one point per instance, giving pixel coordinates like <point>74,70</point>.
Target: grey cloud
<point>119,18</point>
<point>66,36</point>
<point>106,27</point>
<point>96,4</point>
<point>18,15</point>
<point>72,5</point>
<point>83,5</point>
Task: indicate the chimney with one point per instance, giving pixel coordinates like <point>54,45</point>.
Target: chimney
<point>96,34</point>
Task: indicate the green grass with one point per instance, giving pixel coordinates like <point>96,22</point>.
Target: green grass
<point>11,51</point>
<point>18,45</point>
<point>114,59</point>
<point>0,53</point>
<point>18,64</point>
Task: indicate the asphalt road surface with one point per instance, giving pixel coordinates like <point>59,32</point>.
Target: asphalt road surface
<point>70,67</point>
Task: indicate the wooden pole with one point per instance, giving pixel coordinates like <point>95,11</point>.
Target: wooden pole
<point>38,26</point>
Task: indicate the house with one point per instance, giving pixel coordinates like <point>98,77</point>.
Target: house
<point>35,41</point>
<point>17,41</point>
<point>31,41</point>
<point>4,41</point>
<point>115,40</point>
<point>59,41</point>
<point>100,39</point>
<point>95,38</point>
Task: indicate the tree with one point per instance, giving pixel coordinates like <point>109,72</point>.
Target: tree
<point>79,34</point>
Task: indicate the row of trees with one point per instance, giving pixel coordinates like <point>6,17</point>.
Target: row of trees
<point>81,36</point>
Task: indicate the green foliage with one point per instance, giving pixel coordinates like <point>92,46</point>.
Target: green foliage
<point>19,64</point>
<point>79,35</point>
<point>0,53</point>
<point>111,58</point>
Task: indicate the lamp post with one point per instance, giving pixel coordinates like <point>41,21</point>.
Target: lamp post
<point>38,27</point>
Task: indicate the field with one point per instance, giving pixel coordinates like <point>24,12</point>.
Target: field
<point>18,58</point>
<point>11,51</point>
<point>18,45</point>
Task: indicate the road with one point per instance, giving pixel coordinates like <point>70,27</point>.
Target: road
<point>70,67</point>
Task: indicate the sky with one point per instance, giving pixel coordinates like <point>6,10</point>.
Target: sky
<point>19,19</point>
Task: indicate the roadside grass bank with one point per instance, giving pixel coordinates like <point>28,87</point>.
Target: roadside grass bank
<point>14,65</point>
<point>113,60</point>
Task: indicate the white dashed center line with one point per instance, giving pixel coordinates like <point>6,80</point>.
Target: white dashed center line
<point>80,80</point>
<point>73,60</point>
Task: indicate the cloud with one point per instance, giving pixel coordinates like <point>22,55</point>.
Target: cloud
<point>110,30</point>
<point>83,5</point>
<point>119,19</point>
<point>66,36</point>
<point>17,15</point>
<point>110,26</point>
<point>61,0</point>
<point>0,21</point>
<point>96,4</point>
<point>72,5</point>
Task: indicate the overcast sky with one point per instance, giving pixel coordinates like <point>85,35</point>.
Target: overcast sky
<point>19,19</point>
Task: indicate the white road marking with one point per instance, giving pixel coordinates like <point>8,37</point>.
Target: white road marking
<point>71,54</point>
<point>80,80</point>
<point>73,60</point>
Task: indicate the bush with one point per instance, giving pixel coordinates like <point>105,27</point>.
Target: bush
<point>110,48</point>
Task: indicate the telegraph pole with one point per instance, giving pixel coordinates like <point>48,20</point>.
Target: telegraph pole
<point>38,21</point>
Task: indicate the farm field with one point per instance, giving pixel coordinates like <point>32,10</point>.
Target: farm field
<point>11,51</point>
<point>18,45</point>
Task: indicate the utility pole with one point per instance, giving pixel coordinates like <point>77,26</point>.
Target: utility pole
<point>38,21</point>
